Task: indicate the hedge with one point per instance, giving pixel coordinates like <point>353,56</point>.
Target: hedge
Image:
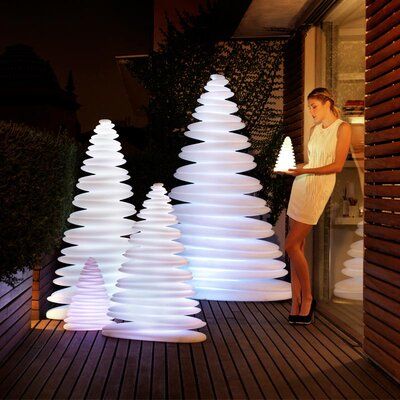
<point>37,178</point>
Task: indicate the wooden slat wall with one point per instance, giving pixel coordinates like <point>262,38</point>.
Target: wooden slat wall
<point>42,286</point>
<point>15,314</point>
<point>293,93</point>
<point>382,186</point>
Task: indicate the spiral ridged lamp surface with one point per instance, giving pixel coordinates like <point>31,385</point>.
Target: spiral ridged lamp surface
<point>352,288</point>
<point>102,221</point>
<point>222,244</point>
<point>154,294</point>
<point>90,303</point>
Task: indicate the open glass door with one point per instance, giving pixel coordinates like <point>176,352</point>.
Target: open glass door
<point>340,233</point>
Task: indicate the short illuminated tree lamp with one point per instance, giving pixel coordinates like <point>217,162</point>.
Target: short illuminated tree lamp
<point>90,303</point>
<point>286,159</point>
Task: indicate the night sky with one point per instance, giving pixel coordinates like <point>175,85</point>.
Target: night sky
<point>83,36</point>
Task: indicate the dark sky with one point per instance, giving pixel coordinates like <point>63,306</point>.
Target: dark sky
<point>83,36</point>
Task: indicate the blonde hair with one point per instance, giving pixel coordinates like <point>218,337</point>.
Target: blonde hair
<point>323,94</point>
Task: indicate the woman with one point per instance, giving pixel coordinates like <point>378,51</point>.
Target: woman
<point>328,147</point>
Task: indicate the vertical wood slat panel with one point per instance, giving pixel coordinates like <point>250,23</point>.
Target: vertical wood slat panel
<point>381,304</point>
<point>293,92</point>
<point>42,286</point>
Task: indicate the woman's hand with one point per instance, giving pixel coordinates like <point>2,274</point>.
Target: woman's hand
<point>294,171</point>
<point>297,171</point>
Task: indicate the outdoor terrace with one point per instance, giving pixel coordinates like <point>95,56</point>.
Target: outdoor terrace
<point>251,352</point>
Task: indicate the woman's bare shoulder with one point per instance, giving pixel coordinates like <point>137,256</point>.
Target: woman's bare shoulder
<point>343,124</point>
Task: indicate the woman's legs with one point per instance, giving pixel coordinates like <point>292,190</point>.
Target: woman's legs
<point>296,292</point>
<point>296,287</point>
<point>301,285</point>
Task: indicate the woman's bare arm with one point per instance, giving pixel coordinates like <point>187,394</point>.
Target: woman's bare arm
<point>342,149</point>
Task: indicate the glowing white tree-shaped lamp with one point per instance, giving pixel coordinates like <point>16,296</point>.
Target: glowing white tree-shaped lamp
<point>102,221</point>
<point>226,255</point>
<point>90,303</point>
<point>154,296</point>
<point>286,159</point>
<point>352,288</point>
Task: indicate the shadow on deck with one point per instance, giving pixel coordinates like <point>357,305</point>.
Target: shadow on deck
<point>251,352</point>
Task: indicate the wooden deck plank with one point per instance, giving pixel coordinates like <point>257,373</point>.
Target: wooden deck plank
<point>215,367</point>
<point>299,357</point>
<point>249,347</point>
<point>17,355</point>
<point>37,362</point>
<point>351,328</point>
<point>249,378</point>
<point>130,373</point>
<point>102,371</point>
<point>114,380</point>
<point>291,368</point>
<point>340,384</point>
<point>158,384</point>
<point>364,386</point>
<point>189,382</point>
<point>29,357</point>
<point>373,375</point>
<point>377,382</point>
<point>235,385</point>
<point>259,360</point>
<point>333,355</point>
<point>85,377</point>
<point>47,368</point>
<point>72,375</point>
<point>173,372</point>
<point>53,382</point>
<point>230,353</point>
<point>205,385</point>
<point>143,385</point>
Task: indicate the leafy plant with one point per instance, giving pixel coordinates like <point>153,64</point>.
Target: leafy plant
<point>175,76</point>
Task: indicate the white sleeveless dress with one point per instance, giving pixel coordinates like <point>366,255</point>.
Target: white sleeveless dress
<point>310,193</point>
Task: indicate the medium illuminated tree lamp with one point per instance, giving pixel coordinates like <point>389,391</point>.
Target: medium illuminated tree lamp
<point>101,221</point>
<point>153,298</point>
<point>223,245</point>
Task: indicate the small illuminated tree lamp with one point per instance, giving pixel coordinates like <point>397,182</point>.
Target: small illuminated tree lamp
<point>90,303</point>
<point>286,159</point>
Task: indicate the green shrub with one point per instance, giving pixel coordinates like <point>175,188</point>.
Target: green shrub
<point>37,180</point>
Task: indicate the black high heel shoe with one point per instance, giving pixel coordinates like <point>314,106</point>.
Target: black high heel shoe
<point>292,318</point>
<point>305,319</point>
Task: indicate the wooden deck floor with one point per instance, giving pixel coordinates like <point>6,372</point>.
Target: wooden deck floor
<point>348,316</point>
<point>251,352</point>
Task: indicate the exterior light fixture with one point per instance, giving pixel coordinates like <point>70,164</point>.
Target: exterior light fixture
<point>90,303</point>
<point>102,219</point>
<point>286,158</point>
<point>352,287</point>
<point>222,239</point>
<point>153,296</point>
